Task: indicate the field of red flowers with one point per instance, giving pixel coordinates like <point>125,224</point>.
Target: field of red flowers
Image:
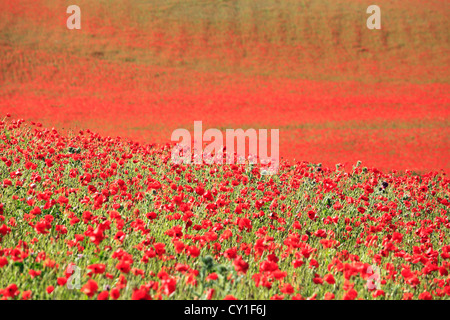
<point>83,215</point>
<point>92,208</point>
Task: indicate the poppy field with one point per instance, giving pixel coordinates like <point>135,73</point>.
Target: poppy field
<point>92,208</point>
<point>136,226</point>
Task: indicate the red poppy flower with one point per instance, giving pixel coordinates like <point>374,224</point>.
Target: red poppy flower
<point>351,295</point>
<point>115,294</point>
<point>124,267</point>
<point>97,268</point>
<point>90,288</point>
<point>104,295</point>
<point>329,278</point>
<point>329,296</point>
<point>140,294</point>
<point>240,265</point>
<point>425,296</point>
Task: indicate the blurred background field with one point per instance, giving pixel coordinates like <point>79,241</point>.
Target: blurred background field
<point>337,91</point>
